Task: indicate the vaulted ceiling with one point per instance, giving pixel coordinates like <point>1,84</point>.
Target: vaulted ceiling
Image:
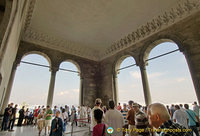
<point>95,29</point>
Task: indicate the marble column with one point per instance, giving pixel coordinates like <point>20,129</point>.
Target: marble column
<point>51,86</point>
<point>9,86</point>
<point>147,94</point>
<point>194,71</point>
<point>115,89</point>
<point>81,92</point>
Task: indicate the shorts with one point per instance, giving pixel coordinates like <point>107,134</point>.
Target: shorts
<point>47,123</point>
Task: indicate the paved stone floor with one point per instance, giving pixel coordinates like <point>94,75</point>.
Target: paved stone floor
<point>33,131</point>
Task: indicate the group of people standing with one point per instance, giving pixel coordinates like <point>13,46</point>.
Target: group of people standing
<point>135,120</point>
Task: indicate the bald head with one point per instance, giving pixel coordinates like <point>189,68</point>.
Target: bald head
<point>157,114</point>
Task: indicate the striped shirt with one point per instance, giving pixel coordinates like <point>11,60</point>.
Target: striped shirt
<point>124,114</point>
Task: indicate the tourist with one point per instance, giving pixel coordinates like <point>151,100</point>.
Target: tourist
<point>98,103</point>
<point>131,118</point>
<point>104,109</point>
<point>181,107</point>
<point>6,116</point>
<point>81,115</point>
<point>48,117</point>
<point>54,111</point>
<point>30,119</point>
<point>12,118</point>
<point>100,128</point>
<point>141,121</point>
<point>88,113</point>
<point>73,115</point>
<point>159,118</point>
<point>196,108</point>
<point>180,117</point>
<point>36,112</point>
<point>114,119</point>
<point>172,110</point>
<point>21,117</point>
<point>64,117</point>
<point>124,114</point>
<point>168,109</point>
<point>26,116</point>
<point>67,110</point>
<point>57,125</point>
<point>41,120</point>
<point>119,107</point>
<point>193,118</point>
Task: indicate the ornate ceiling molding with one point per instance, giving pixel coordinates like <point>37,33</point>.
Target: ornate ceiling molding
<point>180,11</point>
<point>175,14</point>
<point>61,45</point>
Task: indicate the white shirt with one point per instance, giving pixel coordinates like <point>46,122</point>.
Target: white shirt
<point>64,116</point>
<point>181,117</point>
<point>196,109</point>
<point>93,122</point>
<point>114,119</point>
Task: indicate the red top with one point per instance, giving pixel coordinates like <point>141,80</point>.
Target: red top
<point>36,113</point>
<point>98,130</point>
<point>119,108</point>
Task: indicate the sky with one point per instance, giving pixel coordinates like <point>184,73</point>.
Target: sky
<point>169,80</point>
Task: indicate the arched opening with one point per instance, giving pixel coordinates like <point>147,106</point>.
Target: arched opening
<point>129,81</point>
<point>169,75</point>
<point>31,82</point>
<point>67,86</point>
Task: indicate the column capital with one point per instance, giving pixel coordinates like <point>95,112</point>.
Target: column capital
<point>142,64</point>
<point>53,69</point>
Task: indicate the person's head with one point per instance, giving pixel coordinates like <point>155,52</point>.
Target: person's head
<point>181,105</point>
<point>177,107</point>
<point>98,102</point>
<point>23,107</point>
<point>186,106</point>
<point>66,106</point>
<point>167,106</point>
<point>55,107</point>
<point>124,106</point>
<point>98,114</point>
<point>119,103</point>
<point>11,104</point>
<point>130,103</point>
<point>38,107</point>
<point>111,104</point>
<point>16,105</point>
<point>27,109</point>
<point>157,114</point>
<point>172,105</point>
<point>135,107</point>
<point>43,109</point>
<point>57,113</point>
<point>48,106</point>
<point>63,110</point>
<point>195,103</point>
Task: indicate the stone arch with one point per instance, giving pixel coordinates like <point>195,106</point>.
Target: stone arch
<point>73,62</point>
<point>145,51</point>
<point>38,53</point>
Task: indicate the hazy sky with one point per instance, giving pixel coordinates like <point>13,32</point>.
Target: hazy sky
<point>169,80</point>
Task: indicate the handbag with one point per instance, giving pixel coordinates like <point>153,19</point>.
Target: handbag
<point>197,123</point>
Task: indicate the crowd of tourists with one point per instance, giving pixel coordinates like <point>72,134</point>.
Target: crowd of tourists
<point>130,119</point>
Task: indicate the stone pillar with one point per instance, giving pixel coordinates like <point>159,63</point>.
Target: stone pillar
<point>115,89</point>
<point>9,86</point>
<point>51,86</point>
<point>81,92</point>
<point>192,61</point>
<point>147,94</point>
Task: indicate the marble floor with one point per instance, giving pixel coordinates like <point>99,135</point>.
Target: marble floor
<point>33,131</point>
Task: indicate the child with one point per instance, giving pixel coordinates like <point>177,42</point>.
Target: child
<point>100,128</point>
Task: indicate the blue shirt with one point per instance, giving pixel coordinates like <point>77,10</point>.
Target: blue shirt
<point>192,117</point>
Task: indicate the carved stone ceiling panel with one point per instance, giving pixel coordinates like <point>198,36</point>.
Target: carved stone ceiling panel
<point>95,29</point>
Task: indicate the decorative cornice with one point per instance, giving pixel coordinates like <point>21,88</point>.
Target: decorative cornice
<point>30,13</point>
<point>182,10</point>
<point>175,14</point>
<point>60,44</point>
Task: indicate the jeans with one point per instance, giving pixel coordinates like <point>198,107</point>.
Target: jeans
<point>4,123</point>
<point>11,124</point>
<point>194,129</point>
